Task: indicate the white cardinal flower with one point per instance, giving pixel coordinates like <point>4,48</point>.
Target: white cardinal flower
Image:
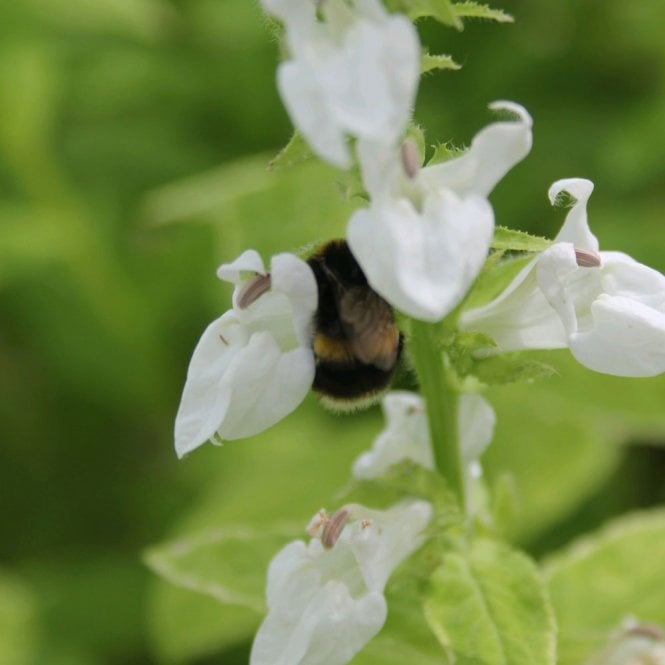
<point>605,306</point>
<point>325,599</point>
<point>426,234</point>
<point>353,73</point>
<point>254,364</point>
<point>406,436</point>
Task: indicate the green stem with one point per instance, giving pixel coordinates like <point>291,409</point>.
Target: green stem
<point>442,403</point>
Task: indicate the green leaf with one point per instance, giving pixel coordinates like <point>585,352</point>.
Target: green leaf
<point>281,476</point>
<point>228,564</point>
<point>510,368</point>
<point>603,578</point>
<point>497,273</point>
<point>405,637</point>
<point>297,150</point>
<point>17,621</point>
<point>443,152</point>
<point>429,62</point>
<point>489,606</point>
<point>520,241</point>
<point>440,10</point>
<point>477,10</point>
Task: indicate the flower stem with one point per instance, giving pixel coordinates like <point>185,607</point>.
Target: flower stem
<point>442,402</point>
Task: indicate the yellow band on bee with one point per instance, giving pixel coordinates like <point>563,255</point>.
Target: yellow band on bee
<point>330,349</point>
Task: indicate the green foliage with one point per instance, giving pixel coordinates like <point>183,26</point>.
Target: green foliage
<point>518,241</point>
<point>295,151</point>
<point>17,621</point>
<point>605,578</point>
<point>478,10</point>
<point>440,10</point>
<point>406,637</point>
<point>510,368</point>
<point>442,152</point>
<point>488,605</point>
<point>283,475</point>
<point>448,13</point>
<point>431,62</point>
<point>122,120</point>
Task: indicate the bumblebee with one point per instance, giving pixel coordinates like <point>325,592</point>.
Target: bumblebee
<point>356,342</point>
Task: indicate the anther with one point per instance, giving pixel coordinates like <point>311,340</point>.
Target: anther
<point>333,529</point>
<point>410,159</point>
<point>318,523</point>
<point>253,290</point>
<point>647,630</point>
<point>587,258</point>
<point>224,340</point>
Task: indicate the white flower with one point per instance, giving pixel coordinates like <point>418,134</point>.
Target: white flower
<point>355,72</point>
<point>611,315</point>
<point>254,364</point>
<point>324,605</point>
<point>427,232</point>
<point>406,436</point>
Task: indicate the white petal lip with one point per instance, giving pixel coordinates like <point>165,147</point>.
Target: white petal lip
<point>406,436</point>
<point>249,261</point>
<point>423,264</point>
<point>423,256</point>
<point>494,150</point>
<point>254,366</point>
<point>476,427</point>
<point>324,605</point>
<point>360,83</point>
<point>612,317</point>
<point>627,338</point>
<point>576,227</point>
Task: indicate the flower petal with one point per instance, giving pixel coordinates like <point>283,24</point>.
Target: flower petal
<point>520,317</point>
<point>555,268</point>
<point>354,73</point>
<point>370,81</point>
<point>476,427</point>
<point>422,264</point>
<point>493,152</point>
<point>255,364</point>
<point>627,338</point>
<point>207,394</point>
<point>389,538</point>
<point>576,227</point>
<point>266,385</point>
<point>326,604</point>
<point>249,261</point>
<point>310,111</point>
<point>406,436</point>
<point>331,629</point>
<point>623,276</point>
<point>295,279</point>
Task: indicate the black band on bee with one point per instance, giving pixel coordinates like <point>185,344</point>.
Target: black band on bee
<point>356,342</point>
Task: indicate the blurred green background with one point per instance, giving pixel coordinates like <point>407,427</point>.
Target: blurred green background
<point>134,138</point>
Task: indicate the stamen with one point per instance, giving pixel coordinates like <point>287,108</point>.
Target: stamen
<point>333,529</point>
<point>224,340</point>
<point>318,523</point>
<point>253,290</point>
<point>410,159</point>
<point>647,630</point>
<point>587,258</point>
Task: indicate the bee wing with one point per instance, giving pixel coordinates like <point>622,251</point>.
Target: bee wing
<point>368,323</point>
